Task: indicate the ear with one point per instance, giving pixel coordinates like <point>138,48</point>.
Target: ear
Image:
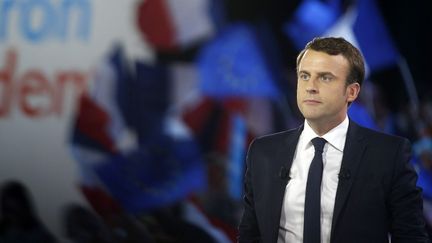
<point>353,91</point>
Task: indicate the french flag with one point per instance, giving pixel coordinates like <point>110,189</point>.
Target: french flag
<point>172,24</point>
<point>100,124</point>
<point>99,131</point>
<point>131,152</point>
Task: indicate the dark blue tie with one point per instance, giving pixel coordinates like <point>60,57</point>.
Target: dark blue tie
<point>312,210</point>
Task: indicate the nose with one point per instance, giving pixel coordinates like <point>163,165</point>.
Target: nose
<point>311,86</point>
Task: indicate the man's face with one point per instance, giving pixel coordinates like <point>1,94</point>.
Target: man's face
<point>322,93</point>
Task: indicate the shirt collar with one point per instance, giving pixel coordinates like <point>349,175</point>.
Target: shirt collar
<point>335,137</point>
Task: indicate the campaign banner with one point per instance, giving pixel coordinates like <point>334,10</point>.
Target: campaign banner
<point>48,51</point>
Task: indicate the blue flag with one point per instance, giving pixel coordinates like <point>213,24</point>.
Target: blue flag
<point>373,37</point>
<point>311,19</point>
<point>361,24</point>
<point>232,65</point>
<point>154,176</point>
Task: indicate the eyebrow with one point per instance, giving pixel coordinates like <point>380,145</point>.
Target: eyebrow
<point>326,73</point>
<point>319,73</point>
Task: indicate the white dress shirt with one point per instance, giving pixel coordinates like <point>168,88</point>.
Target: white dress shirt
<point>292,215</point>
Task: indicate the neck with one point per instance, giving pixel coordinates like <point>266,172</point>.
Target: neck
<point>323,127</point>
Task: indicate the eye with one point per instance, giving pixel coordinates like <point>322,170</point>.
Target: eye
<point>326,78</point>
<point>304,76</point>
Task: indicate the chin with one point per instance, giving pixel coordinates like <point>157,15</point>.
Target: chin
<point>311,115</point>
<point>312,118</point>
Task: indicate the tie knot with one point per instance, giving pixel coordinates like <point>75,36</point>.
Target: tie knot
<point>319,143</point>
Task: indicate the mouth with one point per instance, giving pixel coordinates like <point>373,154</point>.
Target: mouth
<point>311,102</point>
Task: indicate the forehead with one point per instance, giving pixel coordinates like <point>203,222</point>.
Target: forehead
<point>316,61</point>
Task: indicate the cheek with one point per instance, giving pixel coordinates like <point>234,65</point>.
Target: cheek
<point>298,87</point>
<point>337,96</point>
<point>341,93</point>
<point>299,92</point>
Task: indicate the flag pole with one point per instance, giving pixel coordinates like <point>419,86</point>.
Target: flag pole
<point>409,84</point>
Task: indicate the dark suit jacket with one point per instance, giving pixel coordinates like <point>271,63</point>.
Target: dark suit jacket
<point>376,194</point>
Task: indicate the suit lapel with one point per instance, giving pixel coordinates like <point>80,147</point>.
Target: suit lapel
<point>353,152</point>
<point>283,162</point>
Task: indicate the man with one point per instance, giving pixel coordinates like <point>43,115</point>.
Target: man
<point>368,190</point>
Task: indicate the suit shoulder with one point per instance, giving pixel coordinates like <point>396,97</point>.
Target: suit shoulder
<point>275,137</point>
<point>381,137</point>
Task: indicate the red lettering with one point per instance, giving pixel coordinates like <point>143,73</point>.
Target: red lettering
<point>6,75</point>
<point>79,82</point>
<point>33,84</point>
<point>35,93</point>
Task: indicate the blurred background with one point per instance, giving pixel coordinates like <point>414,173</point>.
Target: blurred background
<point>129,121</point>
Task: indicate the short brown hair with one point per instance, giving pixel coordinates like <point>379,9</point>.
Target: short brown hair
<point>336,46</point>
